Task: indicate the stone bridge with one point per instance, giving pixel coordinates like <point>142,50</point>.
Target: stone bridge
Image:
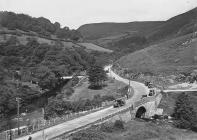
<point>146,107</point>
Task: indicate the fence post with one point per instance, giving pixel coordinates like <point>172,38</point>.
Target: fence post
<point>6,135</point>
<point>33,126</point>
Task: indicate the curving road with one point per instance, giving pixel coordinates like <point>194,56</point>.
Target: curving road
<point>139,90</point>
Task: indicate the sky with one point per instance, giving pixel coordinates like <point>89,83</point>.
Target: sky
<point>74,13</point>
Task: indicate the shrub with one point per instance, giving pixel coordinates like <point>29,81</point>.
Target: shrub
<point>88,135</point>
<point>107,127</point>
<point>184,113</point>
<point>119,124</point>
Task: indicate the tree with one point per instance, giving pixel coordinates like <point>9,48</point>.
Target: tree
<point>97,76</point>
<point>46,78</point>
<point>184,113</point>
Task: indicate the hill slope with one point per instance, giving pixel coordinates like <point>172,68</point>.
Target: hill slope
<point>98,30</point>
<point>179,25</point>
<point>178,54</point>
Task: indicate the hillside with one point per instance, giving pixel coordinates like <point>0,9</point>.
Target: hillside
<point>100,30</point>
<point>176,26</point>
<point>174,55</point>
<point>154,30</point>
<point>34,56</point>
<point>169,48</point>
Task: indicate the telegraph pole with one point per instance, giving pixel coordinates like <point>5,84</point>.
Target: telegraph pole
<point>18,113</point>
<point>129,89</point>
<point>43,135</point>
<point>110,68</point>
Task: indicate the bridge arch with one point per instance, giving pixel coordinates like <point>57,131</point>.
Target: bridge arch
<point>140,113</point>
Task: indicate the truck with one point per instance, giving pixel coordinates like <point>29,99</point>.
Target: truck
<point>148,84</point>
<point>151,92</point>
<point>119,102</point>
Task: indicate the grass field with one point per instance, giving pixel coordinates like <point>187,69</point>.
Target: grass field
<point>91,46</point>
<point>23,39</point>
<point>83,92</point>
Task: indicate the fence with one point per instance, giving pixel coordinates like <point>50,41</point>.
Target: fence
<point>43,124</point>
<point>102,119</point>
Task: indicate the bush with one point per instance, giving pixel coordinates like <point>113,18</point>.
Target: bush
<point>184,113</point>
<point>88,135</point>
<point>119,124</point>
<point>107,127</point>
<point>110,127</point>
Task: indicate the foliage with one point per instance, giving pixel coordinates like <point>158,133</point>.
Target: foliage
<point>119,124</point>
<point>59,105</point>
<point>68,91</point>
<point>39,25</point>
<point>41,64</point>
<point>88,135</point>
<point>107,127</point>
<point>184,113</point>
<point>97,76</point>
<point>111,127</point>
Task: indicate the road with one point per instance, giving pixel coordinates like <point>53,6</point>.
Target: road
<point>139,90</point>
<point>179,90</point>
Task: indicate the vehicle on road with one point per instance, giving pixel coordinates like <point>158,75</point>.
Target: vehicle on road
<point>152,92</point>
<point>148,84</point>
<point>119,102</point>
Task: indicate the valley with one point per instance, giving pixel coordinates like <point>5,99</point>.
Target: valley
<point>90,83</point>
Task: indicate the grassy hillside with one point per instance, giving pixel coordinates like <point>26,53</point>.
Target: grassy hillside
<point>125,38</point>
<point>119,35</point>
<point>100,30</point>
<point>176,26</point>
<point>174,55</point>
<point>24,37</point>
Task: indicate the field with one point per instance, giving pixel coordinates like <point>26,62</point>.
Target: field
<point>91,46</point>
<point>23,39</point>
<point>83,92</point>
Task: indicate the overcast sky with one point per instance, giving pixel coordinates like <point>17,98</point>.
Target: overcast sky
<point>73,13</point>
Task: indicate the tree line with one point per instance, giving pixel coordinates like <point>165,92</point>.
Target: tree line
<point>39,25</point>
